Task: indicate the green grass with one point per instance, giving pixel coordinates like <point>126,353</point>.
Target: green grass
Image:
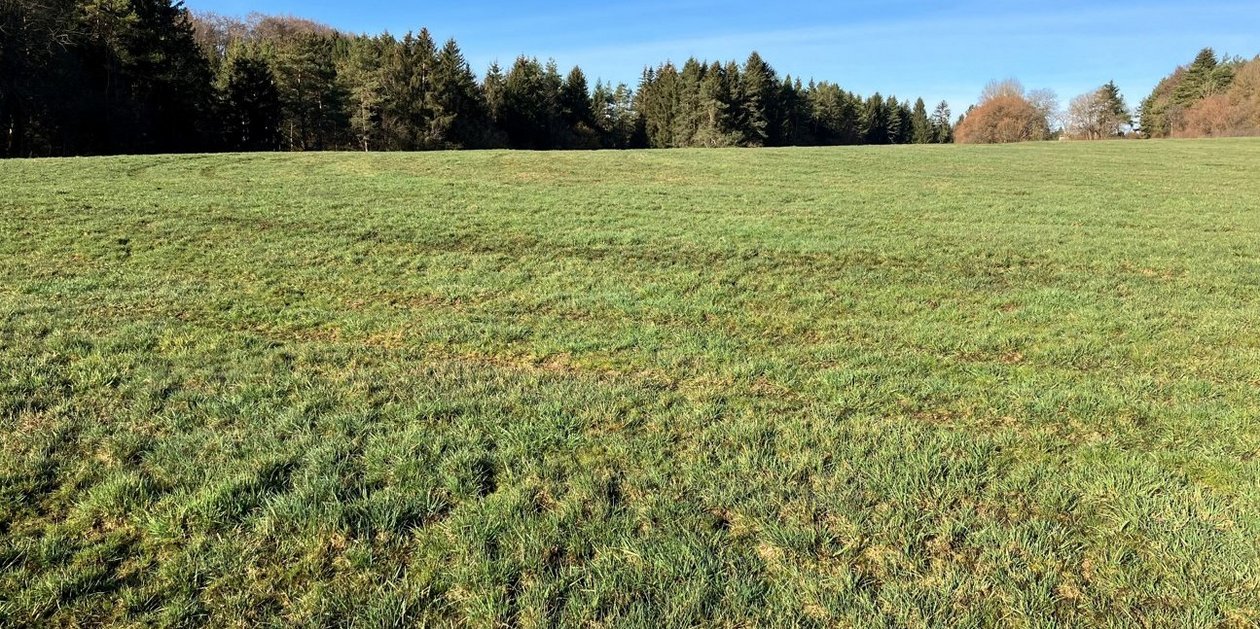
<point>1011,385</point>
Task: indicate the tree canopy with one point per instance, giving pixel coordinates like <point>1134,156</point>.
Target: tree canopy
<point>133,76</point>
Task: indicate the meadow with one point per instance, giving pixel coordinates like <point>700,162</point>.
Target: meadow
<point>870,386</point>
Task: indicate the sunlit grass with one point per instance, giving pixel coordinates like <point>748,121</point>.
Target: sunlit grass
<point>891,385</point>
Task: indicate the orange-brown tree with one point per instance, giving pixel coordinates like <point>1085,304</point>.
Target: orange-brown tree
<point>1005,114</point>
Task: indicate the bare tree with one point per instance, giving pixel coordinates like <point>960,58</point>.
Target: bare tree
<point>1047,103</point>
<point>1000,88</point>
<point>1085,117</point>
<point>1098,114</point>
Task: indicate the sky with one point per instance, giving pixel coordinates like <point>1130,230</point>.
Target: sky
<point>937,50</point>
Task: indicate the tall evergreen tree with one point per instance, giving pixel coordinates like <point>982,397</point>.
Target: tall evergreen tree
<point>252,104</point>
<point>362,72</point>
<point>689,118</point>
<point>575,98</point>
<point>531,115</point>
<point>759,120</point>
<point>718,109</point>
<point>875,120</point>
<point>794,104</point>
<point>836,115</point>
<point>577,111</point>
<point>921,127</point>
<point>492,90</point>
<point>1118,118</point>
<point>1204,77</point>
<point>942,130</point>
<point>457,102</point>
<point>311,97</point>
<point>658,103</point>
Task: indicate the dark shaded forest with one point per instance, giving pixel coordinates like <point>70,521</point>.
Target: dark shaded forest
<point>147,76</point>
<point>92,77</point>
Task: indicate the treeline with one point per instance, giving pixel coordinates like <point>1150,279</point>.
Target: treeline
<point>135,76</point>
<point>713,104</point>
<point>1209,97</point>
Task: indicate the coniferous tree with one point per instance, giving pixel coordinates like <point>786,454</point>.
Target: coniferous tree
<point>718,109</point>
<point>942,130</point>
<point>311,98</point>
<point>577,112</point>
<point>1119,119</point>
<point>575,98</point>
<point>875,120</point>
<point>689,117</point>
<point>456,102</point>
<point>657,101</point>
<point>759,110</point>
<point>794,114</point>
<point>921,127</point>
<point>836,115</point>
<point>1204,77</point>
<point>252,103</point>
<point>531,116</point>
<point>492,90</point>
<point>363,74</point>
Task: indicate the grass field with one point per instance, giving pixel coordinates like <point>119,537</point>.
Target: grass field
<point>850,386</point>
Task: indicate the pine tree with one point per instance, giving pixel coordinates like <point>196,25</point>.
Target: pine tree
<point>577,111</point>
<point>457,101</point>
<point>921,127</point>
<point>689,116</point>
<point>311,97</point>
<point>942,130</point>
<point>718,109</point>
<point>657,102</point>
<point>1117,117</point>
<point>492,89</point>
<point>875,120</point>
<point>759,121</point>
<point>1204,77</point>
<point>361,72</point>
<point>252,103</point>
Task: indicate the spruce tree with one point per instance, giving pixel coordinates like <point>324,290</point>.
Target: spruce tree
<point>361,72</point>
<point>718,109</point>
<point>492,89</point>
<point>252,104</point>
<point>875,120</point>
<point>1116,113</point>
<point>458,99</point>
<point>759,121</point>
<point>311,97</point>
<point>1204,77</point>
<point>942,130</point>
<point>657,102</point>
<point>921,127</point>
<point>531,114</point>
<point>689,117</point>
<point>577,111</point>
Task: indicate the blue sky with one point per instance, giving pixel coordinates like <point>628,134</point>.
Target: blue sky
<point>937,50</point>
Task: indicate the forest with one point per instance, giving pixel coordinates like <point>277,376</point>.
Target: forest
<point>82,77</point>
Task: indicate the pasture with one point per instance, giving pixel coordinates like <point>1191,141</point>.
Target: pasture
<point>913,385</point>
